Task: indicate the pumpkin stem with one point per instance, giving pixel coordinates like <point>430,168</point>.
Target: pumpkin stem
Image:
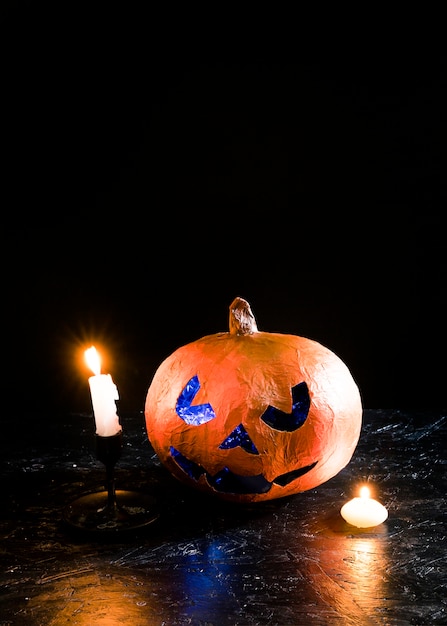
<point>242,320</point>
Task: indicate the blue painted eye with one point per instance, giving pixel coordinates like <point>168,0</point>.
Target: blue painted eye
<point>279,420</point>
<point>193,415</point>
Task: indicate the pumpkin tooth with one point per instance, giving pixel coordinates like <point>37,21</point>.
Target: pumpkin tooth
<point>227,481</point>
<point>224,481</point>
<point>193,469</point>
<point>288,477</point>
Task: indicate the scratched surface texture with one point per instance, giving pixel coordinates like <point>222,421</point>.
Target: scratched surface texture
<point>205,562</point>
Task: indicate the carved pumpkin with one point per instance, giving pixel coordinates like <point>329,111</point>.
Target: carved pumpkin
<point>249,415</point>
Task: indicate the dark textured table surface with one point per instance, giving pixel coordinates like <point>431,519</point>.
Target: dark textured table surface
<point>206,562</point>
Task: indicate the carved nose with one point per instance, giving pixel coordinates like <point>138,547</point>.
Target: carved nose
<point>239,437</point>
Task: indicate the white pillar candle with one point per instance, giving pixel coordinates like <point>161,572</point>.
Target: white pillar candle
<point>104,395</point>
<point>364,512</point>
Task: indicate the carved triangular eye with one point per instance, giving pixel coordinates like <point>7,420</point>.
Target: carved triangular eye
<point>193,415</point>
<point>279,420</point>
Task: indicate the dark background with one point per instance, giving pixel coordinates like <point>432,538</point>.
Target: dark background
<point>143,189</point>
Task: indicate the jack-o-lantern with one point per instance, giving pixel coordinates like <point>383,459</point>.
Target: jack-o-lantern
<point>249,415</point>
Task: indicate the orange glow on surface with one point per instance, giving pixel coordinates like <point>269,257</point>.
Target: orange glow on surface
<point>93,360</point>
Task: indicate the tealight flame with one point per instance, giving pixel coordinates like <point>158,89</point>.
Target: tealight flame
<point>93,361</point>
<point>364,492</point>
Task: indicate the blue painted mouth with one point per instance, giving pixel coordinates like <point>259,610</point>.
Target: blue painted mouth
<point>226,481</point>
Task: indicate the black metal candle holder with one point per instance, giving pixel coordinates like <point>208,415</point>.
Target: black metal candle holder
<point>111,511</point>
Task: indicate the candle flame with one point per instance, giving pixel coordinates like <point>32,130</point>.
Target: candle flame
<point>364,492</point>
<point>93,360</point>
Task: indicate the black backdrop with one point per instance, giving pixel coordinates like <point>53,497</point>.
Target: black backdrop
<point>141,196</point>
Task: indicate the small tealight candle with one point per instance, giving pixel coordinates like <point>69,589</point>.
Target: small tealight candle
<point>104,393</point>
<point>364,512</point>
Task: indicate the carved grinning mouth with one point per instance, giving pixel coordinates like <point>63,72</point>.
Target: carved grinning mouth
<point>226,481</point>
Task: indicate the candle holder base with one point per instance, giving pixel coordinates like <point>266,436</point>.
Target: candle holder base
<point>93,513</point>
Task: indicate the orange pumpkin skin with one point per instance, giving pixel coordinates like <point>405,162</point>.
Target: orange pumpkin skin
<point>233,380</point>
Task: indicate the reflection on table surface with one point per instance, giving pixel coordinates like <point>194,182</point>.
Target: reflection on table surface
<point>206,562</point>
